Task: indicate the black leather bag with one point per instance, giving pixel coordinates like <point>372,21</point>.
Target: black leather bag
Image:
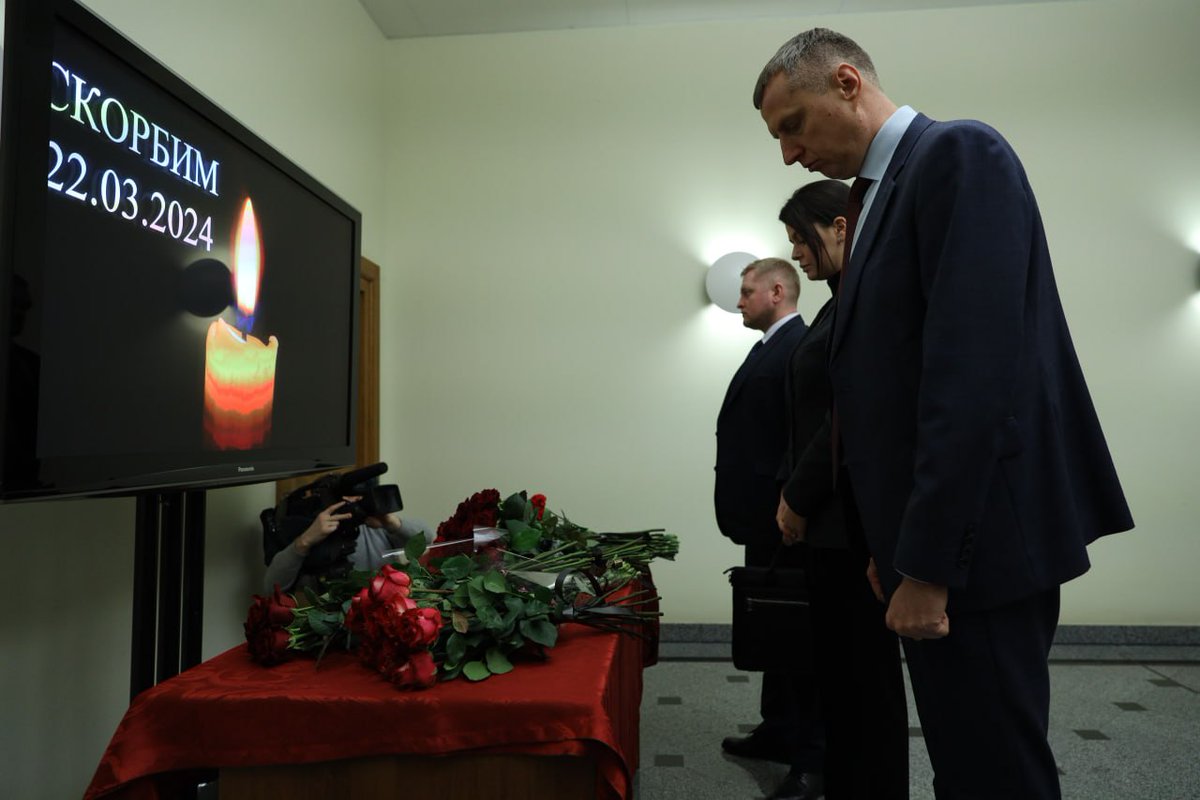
<point>771,621</point>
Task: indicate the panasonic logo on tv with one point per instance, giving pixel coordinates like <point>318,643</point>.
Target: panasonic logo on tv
<point>245,469</point>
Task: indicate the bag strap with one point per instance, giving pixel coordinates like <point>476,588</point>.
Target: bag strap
<point>775,557</point>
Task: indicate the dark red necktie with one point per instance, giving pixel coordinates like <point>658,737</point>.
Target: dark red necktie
<point>854,206</point>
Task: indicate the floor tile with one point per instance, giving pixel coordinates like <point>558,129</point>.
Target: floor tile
<point>1119,729</point>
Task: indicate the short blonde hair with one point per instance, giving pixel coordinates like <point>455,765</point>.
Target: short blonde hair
<point>778,270</point>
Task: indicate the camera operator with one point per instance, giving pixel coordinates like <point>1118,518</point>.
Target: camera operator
<point>375,536</point>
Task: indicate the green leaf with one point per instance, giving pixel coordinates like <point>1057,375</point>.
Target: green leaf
<point>479,596</point>
<point>414,548</point>
<point>456,648</point>
<point>462,596</point>
<point>522,538</point>
<point>536,608</point>
<point>495,582</point>
<point>497,662</point>
<point>457,567</point>
<point>514,506</point>
<point>489,616</point>
<point>541,631</point>
<point>460,622</point>
<point>450,673</point>
<point>475,670</point>
<point>319,626</point>
<point>514,604</point>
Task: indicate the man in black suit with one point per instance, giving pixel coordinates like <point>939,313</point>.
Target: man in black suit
<point>751,448</point>
<point>966,430</point>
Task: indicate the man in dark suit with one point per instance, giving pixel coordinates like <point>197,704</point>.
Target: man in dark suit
<point>751,449</point>
<point>966,430</point>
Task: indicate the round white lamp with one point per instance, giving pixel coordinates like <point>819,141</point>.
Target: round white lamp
<point>724,280</point>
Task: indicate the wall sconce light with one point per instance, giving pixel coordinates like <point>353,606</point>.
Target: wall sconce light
<point>724,280</point>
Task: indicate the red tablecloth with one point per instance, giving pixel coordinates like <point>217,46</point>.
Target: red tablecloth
<point>230,712</point>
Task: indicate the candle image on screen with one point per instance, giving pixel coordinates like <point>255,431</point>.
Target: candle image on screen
<point>239,369</point>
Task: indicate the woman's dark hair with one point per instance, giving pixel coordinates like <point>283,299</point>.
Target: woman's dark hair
<point>816,203</point>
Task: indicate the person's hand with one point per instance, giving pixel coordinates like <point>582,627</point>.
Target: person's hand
<point>389,521</point>
<point>873,579</point>
<point>918,610</point>
<point>326,523</point>
<point>792,526</point>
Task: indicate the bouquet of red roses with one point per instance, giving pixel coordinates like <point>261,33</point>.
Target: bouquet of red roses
<point>461,610</point>
<point>393,633</point>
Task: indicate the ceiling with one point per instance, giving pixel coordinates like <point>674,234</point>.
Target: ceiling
<point>405,19</point>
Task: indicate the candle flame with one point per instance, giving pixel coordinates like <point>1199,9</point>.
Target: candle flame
<point>247,260</point>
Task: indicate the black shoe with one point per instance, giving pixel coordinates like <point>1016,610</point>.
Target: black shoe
<point>757,746</point>
<point>799,786</point>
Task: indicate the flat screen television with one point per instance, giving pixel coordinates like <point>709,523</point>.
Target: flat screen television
<point>180,299</point>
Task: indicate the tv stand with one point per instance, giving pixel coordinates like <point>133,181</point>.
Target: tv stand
<point>168,586</point>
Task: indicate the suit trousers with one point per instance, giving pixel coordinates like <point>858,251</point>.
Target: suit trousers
<point>983,696</point>
<point>860,682</point>
<point>788,703</point>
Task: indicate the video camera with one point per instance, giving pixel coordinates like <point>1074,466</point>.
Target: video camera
<point>298,508</point>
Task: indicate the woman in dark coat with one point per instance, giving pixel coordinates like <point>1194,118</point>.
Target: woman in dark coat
<point>860,684</point>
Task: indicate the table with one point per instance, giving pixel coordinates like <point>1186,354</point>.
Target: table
<point>571,720</point>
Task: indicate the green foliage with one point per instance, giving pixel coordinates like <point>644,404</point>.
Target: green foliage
<point>523,538</point>
<point>542,631</point>
<point>414,548</point>
<point>476,670</point>
<point>497,662</point>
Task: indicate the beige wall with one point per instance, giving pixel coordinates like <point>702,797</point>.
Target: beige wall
<point>554,199</point>
<point>544,207</point>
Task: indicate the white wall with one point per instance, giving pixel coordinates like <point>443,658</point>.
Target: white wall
<point>555,197</point>
<point>544,206</point>
<point>311,89</point>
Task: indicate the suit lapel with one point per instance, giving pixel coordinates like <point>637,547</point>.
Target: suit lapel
<point>859,254</point>
<point>747,367</point>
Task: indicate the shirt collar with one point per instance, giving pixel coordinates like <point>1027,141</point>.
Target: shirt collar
<point>884,145</point>
<point>779,323</point>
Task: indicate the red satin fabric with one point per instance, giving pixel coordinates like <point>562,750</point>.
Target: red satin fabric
<point>230,712</point>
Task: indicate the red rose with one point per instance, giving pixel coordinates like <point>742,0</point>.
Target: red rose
<point>356,616</point>
<point>457,527</point>
<point>279,610</point>
<point>485,508</point>
<point>418,629</point>
<point>266,627</point>
<point>424,669</point>
<point>388,582</point>
<point>538,501</point>
<point>480,510</point>
<point>418,672</point>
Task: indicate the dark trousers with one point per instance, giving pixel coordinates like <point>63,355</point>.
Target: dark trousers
<point>983,696</point>
<point>859,680</point>
<point>788,703</point>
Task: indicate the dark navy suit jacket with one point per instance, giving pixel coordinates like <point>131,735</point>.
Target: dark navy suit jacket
<point>971,441</point>
<point>752,441</point>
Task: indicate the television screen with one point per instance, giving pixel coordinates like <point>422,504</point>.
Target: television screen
<point>180,298</point>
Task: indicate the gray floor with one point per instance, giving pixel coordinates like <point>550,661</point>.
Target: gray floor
<point>1123,725</point>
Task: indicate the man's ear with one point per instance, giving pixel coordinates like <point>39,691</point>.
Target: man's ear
<point>847,81</point>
